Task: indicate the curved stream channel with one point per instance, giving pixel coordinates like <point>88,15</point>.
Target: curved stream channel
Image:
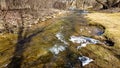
<point>73,35</point>
<point>59,45</point>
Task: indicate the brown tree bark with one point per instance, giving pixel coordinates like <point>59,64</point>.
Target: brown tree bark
<point>109,3</point>
<point>3,5</point>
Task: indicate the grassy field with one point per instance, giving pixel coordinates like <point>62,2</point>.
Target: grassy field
<point>111,22</point>
<point>111,54</point>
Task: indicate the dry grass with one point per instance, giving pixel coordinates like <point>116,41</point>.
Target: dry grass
<point>111,22</point>
<point>7,45</point>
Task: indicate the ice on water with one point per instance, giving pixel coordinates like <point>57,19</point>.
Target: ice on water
<point>83,41</point>
<point>85,60</point>
<point>56,49</point>
<point>61,38</point>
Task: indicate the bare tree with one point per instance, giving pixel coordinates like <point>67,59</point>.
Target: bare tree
<point>24,35</point>
<point>22,28</point>
<point>23,38</point>
<point>3,4</point>
<point>109,3</point>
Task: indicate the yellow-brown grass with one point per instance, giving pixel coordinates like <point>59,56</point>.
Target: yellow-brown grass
<point>111,22</point>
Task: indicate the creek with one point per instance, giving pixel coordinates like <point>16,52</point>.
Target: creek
<point>72,36</point>
<point>59,44</point>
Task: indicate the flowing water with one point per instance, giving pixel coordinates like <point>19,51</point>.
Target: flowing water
<point>59,45</point>
<point>74,34</point>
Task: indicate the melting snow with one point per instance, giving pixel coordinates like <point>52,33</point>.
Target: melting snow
<point>83,45</point>
<point>83,41</point>
<point>61,38</point>
<point>56,49</point>
<point>85,60</point>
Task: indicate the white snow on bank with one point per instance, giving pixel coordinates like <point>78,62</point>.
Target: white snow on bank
<point>83,41</point>
<point>85,60</point>
<point>61,38</point>
<point>56,49</point>
<point>82,45</point>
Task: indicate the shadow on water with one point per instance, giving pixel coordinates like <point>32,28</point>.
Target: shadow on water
<point>109,42</point>
<point>22,40</point>
<point>20,46</point>
<point>72,58</point>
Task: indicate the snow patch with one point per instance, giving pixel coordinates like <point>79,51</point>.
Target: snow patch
<point>82,45</point>
<point>56,49</point>
<point>84,41</point>
<point>85,60</point>
<point>61,38</point>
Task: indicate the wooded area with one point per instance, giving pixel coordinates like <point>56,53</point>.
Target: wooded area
<point>109,3</point>
<point>59,4</point>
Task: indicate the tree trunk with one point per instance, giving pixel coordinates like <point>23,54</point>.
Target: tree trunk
<point>109,3</point>
<point>105,5</point>
<point>3,5</point>
<point>116,4</point>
